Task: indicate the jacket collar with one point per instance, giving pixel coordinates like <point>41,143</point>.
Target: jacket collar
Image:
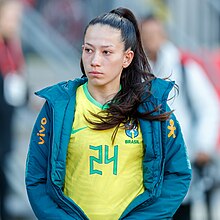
<point>61,91</point>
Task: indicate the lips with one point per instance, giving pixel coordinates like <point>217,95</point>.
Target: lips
<point>95,73</point>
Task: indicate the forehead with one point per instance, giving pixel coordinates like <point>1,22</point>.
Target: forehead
<point>99,34</point>
<point>151,26</point>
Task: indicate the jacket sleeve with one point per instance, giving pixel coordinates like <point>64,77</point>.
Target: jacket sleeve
<point>36,170</point>
<point>176,180</point>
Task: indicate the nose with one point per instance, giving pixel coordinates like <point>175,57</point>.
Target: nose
<point>96,59</point>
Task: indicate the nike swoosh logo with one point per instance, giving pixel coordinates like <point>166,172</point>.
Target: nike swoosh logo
<point>77,130</point>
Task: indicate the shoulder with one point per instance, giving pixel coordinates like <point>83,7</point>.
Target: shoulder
<point>62,90</point>
<point>161,88</point>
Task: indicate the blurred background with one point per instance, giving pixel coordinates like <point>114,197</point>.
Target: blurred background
<point>40,44</point>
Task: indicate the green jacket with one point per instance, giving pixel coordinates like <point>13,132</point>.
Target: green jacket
<point>166,168</point>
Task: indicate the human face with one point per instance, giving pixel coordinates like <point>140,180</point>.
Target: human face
<point>104,56</point>
<point>10,17</point>
<point>152,38</point>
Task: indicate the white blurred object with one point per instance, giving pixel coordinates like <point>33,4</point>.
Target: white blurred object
<point>15,89</point>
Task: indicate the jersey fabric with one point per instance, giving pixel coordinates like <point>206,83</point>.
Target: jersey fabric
<point>166,168</point>
<point>102,177</point>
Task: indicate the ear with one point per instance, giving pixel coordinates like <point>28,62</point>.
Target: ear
<point>128,57</point>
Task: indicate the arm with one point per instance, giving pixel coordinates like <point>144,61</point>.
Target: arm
<point>177,176</point>
<point>36,170</point>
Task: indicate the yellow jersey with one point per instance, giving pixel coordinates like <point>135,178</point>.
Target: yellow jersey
<point>101,177</point>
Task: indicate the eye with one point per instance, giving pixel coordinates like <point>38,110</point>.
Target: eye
<point>106,52</point>
<point>88,50</point>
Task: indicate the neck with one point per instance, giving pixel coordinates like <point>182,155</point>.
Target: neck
<point>103,94</point>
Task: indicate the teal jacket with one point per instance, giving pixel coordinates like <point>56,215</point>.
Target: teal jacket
<point>166,168</point>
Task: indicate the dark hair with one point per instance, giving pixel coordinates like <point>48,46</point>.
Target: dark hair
<point>135,79</point>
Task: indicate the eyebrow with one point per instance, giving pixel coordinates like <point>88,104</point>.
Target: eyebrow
<point>103,46</point>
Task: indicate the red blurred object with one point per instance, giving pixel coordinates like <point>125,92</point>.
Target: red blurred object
<point>29,2</point>
<point>11,56</point>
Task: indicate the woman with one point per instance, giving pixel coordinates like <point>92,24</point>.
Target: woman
<point>11,64</point>
<point>107,146</point>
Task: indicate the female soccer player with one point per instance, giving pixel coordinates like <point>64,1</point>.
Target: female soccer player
<point>107,146</point>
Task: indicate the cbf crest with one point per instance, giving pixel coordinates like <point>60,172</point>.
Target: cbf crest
<point>131,130</point>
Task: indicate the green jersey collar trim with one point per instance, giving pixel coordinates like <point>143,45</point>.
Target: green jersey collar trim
<point>91,99</point>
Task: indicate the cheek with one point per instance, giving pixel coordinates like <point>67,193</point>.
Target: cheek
<point>119,63</point>
<point>116,60</point>
<point>116,67</point>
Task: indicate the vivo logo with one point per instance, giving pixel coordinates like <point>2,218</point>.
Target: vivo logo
<point>41,133</point>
